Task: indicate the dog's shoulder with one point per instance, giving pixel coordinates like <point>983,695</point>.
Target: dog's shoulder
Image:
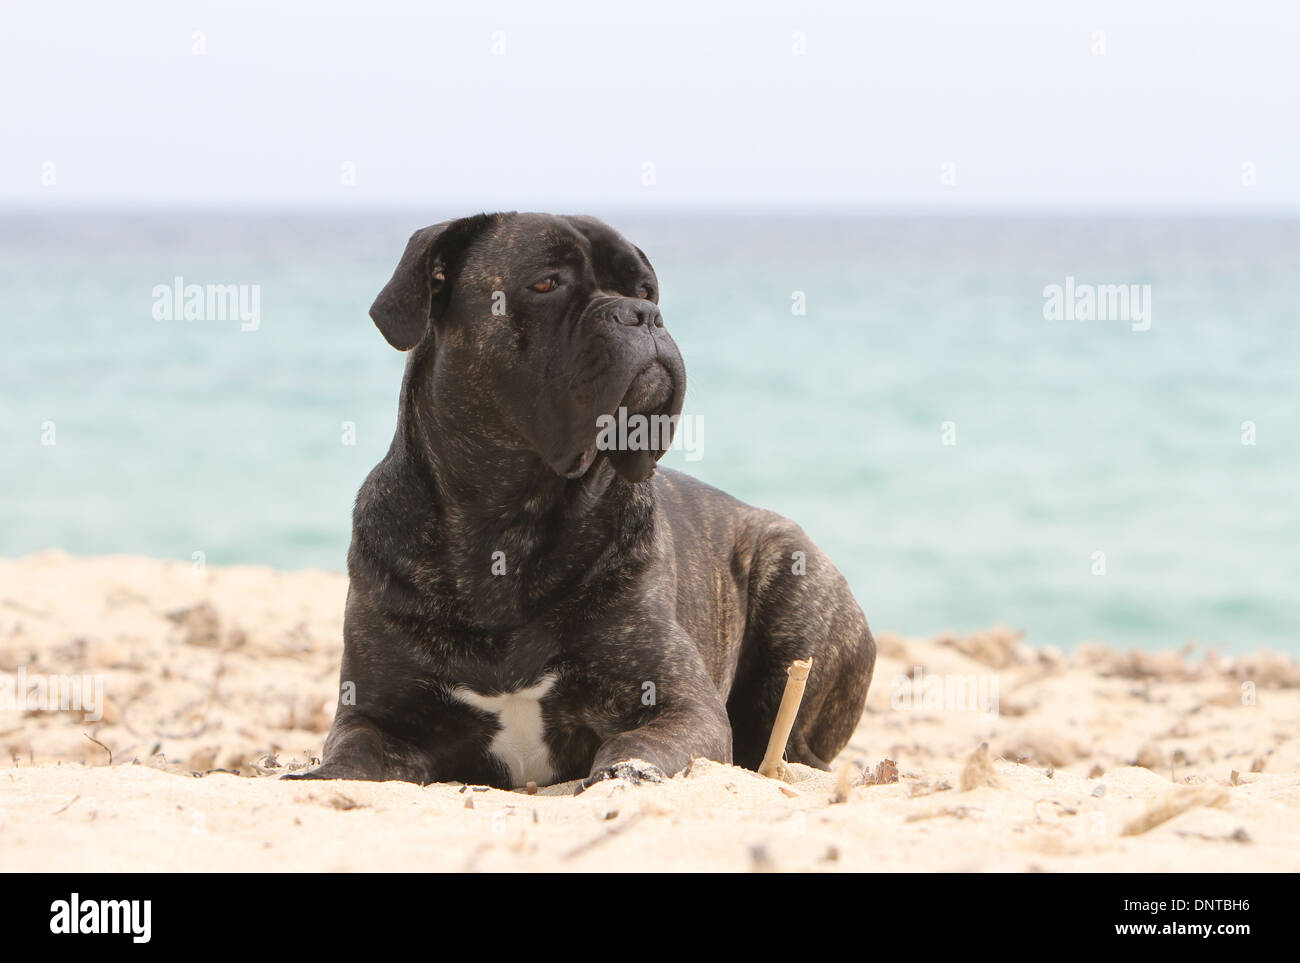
<point>693,507</point>
<point>686,496</point>
<point>673,488</point>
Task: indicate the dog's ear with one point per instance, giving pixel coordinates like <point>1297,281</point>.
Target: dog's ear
<point>421,286</point>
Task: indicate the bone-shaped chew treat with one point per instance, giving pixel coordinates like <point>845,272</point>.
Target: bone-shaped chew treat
<point>773,765</point>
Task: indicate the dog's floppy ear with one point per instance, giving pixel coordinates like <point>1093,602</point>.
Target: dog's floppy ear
<point>422,283</point>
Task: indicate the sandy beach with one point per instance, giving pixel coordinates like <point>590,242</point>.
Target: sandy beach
<point>976,753</point>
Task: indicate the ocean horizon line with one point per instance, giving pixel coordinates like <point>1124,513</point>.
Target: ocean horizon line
<point>1189,649</point>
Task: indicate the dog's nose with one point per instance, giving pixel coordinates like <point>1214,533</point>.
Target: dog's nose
<point>637,312</point>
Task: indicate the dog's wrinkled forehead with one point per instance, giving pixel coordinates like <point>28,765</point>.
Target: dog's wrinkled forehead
<point>523,243</point>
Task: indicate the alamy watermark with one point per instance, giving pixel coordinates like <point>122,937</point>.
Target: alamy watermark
<point>22,692</point>
<point>1098,302</point>
<point>636,432</point>
<point>179,301</point>
<point>131,917</point>
<point>927,692</point>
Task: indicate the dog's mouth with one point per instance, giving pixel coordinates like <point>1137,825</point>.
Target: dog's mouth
<point>651,391</point>
<point>644,422</point>
<point>637,433</point>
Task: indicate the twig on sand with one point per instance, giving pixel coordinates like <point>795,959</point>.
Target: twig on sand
<point>1165,809</point>
<point>607,835</point>
<point>66,805</point>
<point>101,745</point>
<point>773,765</point>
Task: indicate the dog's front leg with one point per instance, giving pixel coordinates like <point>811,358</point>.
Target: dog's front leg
<point>354,750</point>
<point>686,720</point>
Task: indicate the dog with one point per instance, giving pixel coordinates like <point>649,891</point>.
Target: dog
<point>526,604</point>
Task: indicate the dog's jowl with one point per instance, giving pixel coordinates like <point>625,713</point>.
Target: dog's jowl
<point>526,604</point>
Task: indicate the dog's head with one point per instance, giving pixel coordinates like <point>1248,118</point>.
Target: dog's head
<point>530,328</point>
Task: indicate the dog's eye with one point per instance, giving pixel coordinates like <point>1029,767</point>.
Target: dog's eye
<point>541,287</point>
<point>645,292</point>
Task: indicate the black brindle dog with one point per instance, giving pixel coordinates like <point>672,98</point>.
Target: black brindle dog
<point>527,605</point>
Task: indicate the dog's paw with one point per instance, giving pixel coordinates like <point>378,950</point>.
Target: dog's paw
<point>634,771</point>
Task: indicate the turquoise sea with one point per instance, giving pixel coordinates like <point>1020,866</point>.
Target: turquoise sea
<point>1072,438</point>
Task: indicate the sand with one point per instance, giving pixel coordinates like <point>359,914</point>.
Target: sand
<point>216,681</point>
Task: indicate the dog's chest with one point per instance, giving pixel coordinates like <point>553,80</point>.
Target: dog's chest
<point>520,742</point>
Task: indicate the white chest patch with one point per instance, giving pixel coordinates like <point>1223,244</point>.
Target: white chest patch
<point>519,743</point>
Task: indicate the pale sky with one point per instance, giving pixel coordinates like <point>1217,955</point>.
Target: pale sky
<point>1035,105</point>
